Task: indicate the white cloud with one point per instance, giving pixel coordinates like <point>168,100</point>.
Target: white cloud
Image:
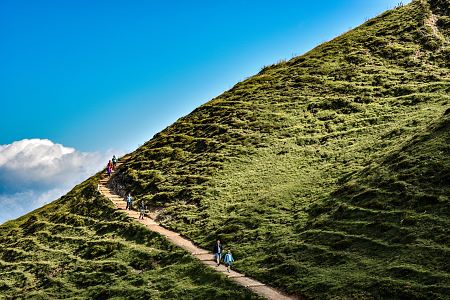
<point>37,171</point>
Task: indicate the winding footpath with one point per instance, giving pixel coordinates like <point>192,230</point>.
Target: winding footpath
<point>206,257</point>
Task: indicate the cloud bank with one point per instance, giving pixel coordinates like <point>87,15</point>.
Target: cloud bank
<point>37,171</point>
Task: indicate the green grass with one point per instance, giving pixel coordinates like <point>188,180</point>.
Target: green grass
<point>295,168</point>
<point>80,247</point>
<point>327,175</point>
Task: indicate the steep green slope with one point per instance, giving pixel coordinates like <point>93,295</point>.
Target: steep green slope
<point>391,219</point>
<point>327,175</point>
<point>80,247</point>
<point>270,165</point>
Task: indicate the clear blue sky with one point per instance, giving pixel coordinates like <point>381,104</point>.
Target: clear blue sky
<point>97,75</point>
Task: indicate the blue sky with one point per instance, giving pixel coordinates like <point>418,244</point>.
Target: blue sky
<point>99,75</point>
<point>80,80</point>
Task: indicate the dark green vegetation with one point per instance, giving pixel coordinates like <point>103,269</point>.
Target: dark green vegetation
<point>327,175</point>
<point>80,247</point>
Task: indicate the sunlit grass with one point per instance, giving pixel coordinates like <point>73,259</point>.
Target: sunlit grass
<point>327,176</point>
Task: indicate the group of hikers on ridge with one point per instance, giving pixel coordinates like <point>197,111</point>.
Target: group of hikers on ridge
<point>227,259</point>
<point>142,207</point>
<point>217,249</point>
<point>111,166</point>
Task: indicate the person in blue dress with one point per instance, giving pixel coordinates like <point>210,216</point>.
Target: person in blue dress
<point>228,260</point>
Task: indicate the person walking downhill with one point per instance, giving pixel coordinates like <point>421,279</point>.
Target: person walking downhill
<point>114,162</point>
<point>142,209</point>
<point>228,260</point>
<point>129,201</point>
<point>217,252</point>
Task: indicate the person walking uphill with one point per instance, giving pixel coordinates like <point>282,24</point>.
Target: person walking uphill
<point>129,201</point>
<point>228,260</point>
<point>142,210</point>
<point>109,168</point>
<point>217,252</point>
<point>114,162</point>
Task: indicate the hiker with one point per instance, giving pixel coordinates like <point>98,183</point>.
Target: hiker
<point>228,260</point>
<point>109,168</point>
<point>142,213</point>
<point>114,162</point>
<point>129,201</point>
<point>217,252</point>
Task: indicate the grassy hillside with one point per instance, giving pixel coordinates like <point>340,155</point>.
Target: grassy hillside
<point>80,247</point>
<point>313,170</point>
<point>328,176</point>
